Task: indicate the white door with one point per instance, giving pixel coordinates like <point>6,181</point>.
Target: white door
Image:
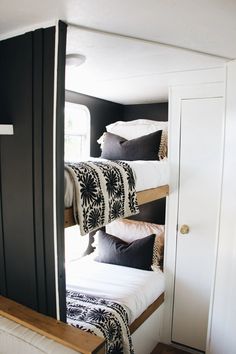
<point>201,148</point>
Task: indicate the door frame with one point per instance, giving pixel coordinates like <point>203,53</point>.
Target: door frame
<point>221,334</point>
<point>176,94</point>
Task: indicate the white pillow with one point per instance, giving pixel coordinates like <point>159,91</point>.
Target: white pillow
<point>130,230</point>
<point>135,128</point>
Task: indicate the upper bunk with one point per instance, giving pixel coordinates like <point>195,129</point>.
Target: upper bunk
<point>133,159</point>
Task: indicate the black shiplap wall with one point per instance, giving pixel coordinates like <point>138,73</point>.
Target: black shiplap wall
<point>27,272</point>
<point>16,171</point>
<point>102,113</point>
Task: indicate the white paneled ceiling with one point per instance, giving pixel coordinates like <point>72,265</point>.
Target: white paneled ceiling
<point>126,70</point>
<point>138,70</point>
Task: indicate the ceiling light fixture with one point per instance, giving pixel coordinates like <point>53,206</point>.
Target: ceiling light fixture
<point>75,59</point>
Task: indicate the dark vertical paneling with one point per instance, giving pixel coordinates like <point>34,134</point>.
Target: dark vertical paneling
<point>48,97</point>
<point>38,168</point>
<point>3,286</point>
<point>102,113</point>
<point>26,170</point>
<point>16,171</point>
<point>153,111</point>
<point>60,168</point>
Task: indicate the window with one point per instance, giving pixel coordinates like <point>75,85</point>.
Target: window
<point>77,132</point>
<point>77,148</point>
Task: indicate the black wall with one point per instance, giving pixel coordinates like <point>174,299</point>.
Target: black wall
<point>102,113</point>
<point>153,111</point>
<point>27,272</point>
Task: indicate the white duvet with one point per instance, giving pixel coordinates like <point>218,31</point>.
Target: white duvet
<point>133,288</point>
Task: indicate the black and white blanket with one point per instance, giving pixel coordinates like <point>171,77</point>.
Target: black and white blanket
<point>101,317</point>
<point>103,191</point>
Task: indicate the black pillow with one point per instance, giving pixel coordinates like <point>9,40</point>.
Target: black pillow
<point>146,147</point>
<point>137,254</point>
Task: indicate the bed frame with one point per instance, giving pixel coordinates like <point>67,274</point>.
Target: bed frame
<point>143,197</point>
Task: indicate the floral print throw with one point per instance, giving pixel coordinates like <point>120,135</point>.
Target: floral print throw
<point>103,191</point>
<point>101,317</point>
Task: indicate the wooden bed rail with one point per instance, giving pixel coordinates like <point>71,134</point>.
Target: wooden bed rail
<point>58,331</point>
<point>143,197</point>
<point>148,312</point>
<point>149,195</point>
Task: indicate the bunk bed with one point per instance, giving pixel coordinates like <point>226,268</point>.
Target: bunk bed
<point>141,322</point>
<point>142,144</point>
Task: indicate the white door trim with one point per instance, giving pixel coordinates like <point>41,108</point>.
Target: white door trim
<point>221,338</point>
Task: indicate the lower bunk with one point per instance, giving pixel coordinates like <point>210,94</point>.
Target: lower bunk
<point>122,304</point>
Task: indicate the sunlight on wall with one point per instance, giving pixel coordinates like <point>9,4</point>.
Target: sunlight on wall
<point>75,244</point>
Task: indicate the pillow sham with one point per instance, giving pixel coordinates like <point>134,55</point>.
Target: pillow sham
<point>131,230</point>
<point>137,254</point>
<point>146,147</point>
<point>135,128</point>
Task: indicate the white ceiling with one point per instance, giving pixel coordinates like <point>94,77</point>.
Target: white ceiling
<point>207,26</point>
<point>126,70</point>
<point>204,25</point>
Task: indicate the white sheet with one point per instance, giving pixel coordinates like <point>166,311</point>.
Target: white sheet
<point>133,288</point>
<point>148,174</point>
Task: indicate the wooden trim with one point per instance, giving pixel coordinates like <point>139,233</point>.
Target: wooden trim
<point>58,331</point>
<point>153,307</point>
<point>69,217</point>
<point>149,195</point>
<point>143,197</point>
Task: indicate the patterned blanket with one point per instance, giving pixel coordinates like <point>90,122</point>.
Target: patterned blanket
<point>101,317</point>
<point>104,191</point>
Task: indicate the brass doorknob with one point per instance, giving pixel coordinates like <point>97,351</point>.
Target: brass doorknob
<point>184,229</point>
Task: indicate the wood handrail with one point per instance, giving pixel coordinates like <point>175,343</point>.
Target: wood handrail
<point>49,327</point>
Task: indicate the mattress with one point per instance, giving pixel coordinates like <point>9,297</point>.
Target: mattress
<point>148,174</point>
<point>133,288</point>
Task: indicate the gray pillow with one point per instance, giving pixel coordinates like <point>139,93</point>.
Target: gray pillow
<point>137,254</point>
<point>146,147</point>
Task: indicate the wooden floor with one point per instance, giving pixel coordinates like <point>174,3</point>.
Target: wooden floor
<point>166,349</point>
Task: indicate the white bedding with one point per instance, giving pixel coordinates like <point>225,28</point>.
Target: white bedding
<point>133,288</point>
<point>148,174</point>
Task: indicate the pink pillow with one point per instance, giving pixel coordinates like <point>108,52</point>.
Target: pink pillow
<point>130,230</point>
